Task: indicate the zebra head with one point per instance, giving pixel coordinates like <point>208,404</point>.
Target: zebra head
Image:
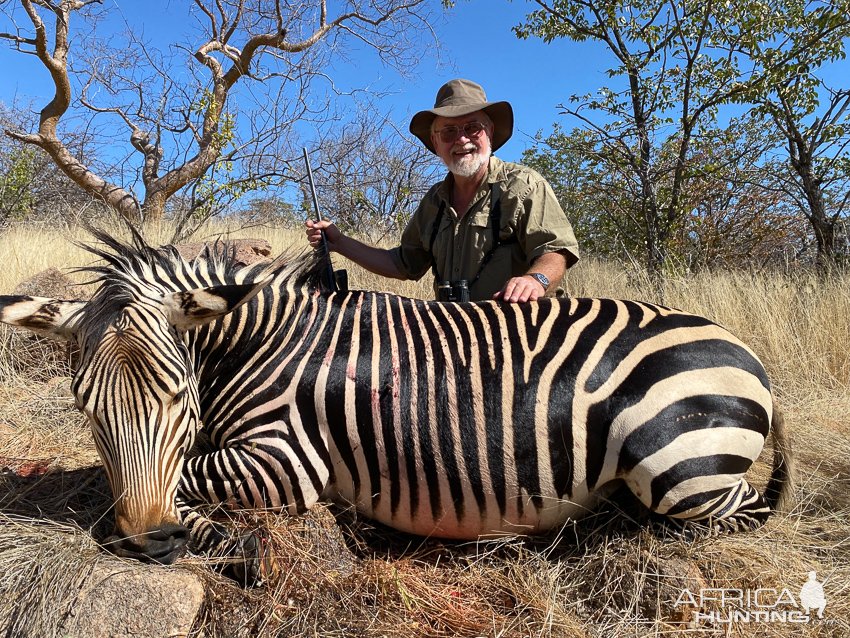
<point>136,384</point>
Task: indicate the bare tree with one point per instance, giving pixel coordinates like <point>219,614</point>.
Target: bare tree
<point>371,176</point>
<point>187,130</point>
<point>815,173</point>
<point>809,119</point>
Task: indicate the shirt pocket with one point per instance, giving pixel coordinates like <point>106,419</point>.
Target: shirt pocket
<point>484,233</point>
<point>482,237</point>
<point>499,264</point>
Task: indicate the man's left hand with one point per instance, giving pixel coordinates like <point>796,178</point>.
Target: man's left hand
<point>520,290</point>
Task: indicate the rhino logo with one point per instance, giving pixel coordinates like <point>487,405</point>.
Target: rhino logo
<point>811,595</point>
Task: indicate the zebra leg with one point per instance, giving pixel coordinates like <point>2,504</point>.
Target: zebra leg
<point>727,510</point>
<point>242,557</point>
<point>206,536</point>
<point>688,464</point>
<point>252,475</point>
<point>700,495</point>
<point>258,474</point>
<point>740,509</point>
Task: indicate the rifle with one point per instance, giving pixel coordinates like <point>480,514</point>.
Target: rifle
<point>335,280</point>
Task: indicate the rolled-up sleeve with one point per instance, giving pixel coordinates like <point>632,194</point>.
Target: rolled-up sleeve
<point>412,258</point>
<point>547,228</point>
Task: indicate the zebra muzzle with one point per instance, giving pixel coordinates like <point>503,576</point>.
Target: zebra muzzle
<point>162,545</point>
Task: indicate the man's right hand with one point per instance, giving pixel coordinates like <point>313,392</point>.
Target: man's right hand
<point>314,233</point>
<point>376,260</point>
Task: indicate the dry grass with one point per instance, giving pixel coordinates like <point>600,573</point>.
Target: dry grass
<point>608,575</point>
<point>43,566</point>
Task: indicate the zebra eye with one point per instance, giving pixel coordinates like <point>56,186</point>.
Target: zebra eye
<point>180,396</point>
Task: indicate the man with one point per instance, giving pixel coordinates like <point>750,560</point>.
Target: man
<point>493,224</point>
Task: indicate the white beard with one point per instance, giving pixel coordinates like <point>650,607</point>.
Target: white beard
<point>469,165</point>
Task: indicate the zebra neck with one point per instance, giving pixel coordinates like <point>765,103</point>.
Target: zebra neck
<point>257,349</point>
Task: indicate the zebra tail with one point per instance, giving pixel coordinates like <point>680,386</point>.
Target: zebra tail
<point>779,492</point>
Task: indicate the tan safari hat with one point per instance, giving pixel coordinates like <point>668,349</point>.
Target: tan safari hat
<point>462,97</point>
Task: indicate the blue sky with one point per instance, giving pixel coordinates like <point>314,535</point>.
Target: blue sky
<point>475,41</point>
<point>478,44</point>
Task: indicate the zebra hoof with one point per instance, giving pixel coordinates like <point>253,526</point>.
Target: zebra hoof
<point>250,562</point>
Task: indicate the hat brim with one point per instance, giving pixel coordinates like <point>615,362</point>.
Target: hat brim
<point>500,113</point>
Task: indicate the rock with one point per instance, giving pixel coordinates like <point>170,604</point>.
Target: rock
<point>667,578</point>
<point>312,574</point>
<point>49,283</point>
<point>120,600</point>
<point>319,534</point>
<point>245,251</point>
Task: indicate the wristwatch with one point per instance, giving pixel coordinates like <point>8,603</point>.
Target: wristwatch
<point>542,279</point>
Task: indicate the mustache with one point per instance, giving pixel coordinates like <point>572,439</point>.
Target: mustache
<point>469,146</point>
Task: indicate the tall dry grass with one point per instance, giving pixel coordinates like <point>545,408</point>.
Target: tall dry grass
<point>798,324</point>
<point>609,575</point>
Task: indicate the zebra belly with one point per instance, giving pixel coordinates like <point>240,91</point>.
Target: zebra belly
<point>444,519</point>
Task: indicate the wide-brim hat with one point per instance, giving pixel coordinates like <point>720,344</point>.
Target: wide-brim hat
<point>457,98</point>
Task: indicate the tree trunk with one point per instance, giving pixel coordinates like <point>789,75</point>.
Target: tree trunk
<point>824,227</point>
<point>154,206</point>
<point>822,224</point>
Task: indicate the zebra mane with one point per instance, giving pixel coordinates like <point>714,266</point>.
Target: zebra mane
<point>135,270</point>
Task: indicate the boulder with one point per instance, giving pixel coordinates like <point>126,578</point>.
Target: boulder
<point>49,283</point>
<point>245,251</point>
<point>123,600</point>
<point>318,536</point>
<point>666,579</point>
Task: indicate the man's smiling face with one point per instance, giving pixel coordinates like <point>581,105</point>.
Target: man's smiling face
<point>463,147</point>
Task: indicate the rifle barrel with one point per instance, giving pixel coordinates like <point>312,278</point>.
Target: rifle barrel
<point>329,275</point>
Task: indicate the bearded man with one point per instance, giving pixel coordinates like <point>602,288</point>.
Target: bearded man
<point>491,228</point>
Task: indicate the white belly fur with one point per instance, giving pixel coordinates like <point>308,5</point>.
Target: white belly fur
<point>474,523</point>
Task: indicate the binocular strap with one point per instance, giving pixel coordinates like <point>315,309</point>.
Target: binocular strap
<point>495,223</point>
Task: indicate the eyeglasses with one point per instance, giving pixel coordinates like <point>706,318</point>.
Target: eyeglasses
<point>470,130</point>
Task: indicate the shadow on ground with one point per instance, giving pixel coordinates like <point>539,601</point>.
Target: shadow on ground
<point>620,515</point>
<point>81,497</point>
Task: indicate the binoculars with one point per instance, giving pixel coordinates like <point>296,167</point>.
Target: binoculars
<point>453,290</point>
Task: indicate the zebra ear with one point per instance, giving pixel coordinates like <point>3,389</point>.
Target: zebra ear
<point>193,308</point>
<point>49,317</point>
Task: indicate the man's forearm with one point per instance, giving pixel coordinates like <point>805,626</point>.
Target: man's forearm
<point>553,265</point>
<point>376,260</point>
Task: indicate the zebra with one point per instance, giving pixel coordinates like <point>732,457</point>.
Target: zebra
<point>450,420</point>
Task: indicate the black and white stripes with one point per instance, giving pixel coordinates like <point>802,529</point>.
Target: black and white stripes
<point>453,420</point>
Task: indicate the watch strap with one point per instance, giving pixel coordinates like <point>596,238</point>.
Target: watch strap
<point>542,279</point>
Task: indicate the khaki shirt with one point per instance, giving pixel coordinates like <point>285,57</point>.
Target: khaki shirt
<point>529,212</point>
